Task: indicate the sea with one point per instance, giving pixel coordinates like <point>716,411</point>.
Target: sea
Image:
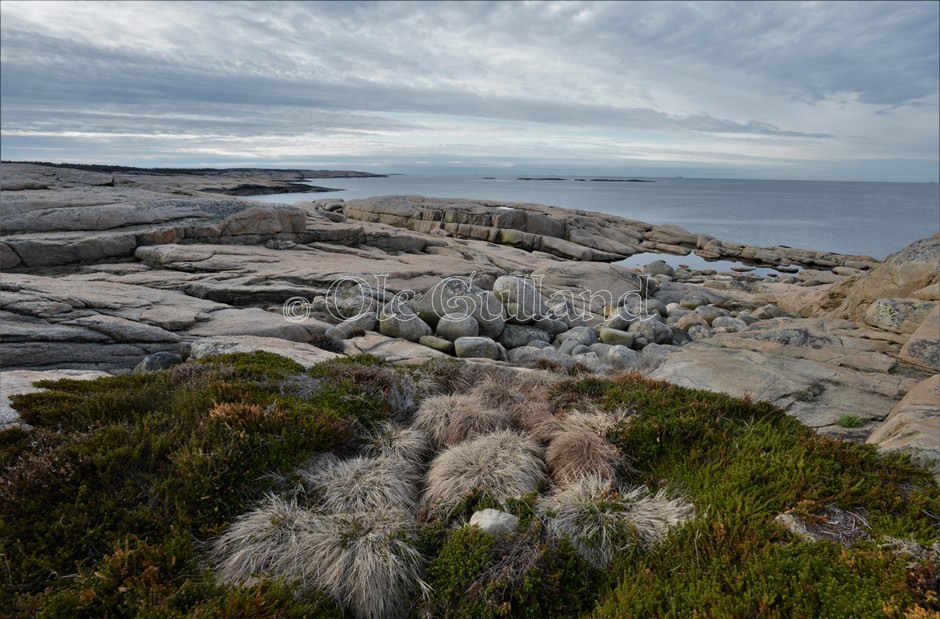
<point>867,218</point>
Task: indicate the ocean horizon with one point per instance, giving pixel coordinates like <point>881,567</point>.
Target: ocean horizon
<point>851,217</point>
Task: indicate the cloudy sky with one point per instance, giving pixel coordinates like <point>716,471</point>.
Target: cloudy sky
<point>801,90</point>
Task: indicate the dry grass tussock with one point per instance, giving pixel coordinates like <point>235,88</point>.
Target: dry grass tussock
<point>500,465</point>
<point>466,424</point>
<point>536,418</point>
<point>262,542</point>
<point>436,415</point>
<point>595,421</point>
<point>390,440</point>
<point>449,376</point>
<point>578,453</point>
<point>511,390</point>
<point>367,561</point>
<point>361,484</point>
<point>601,520</point>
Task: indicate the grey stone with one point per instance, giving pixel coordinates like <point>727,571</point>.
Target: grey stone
<point>600,349</point>
<point>622,358</point>
<point>616,336</point>
<point>709,313</point>
<point>158,361</point>
<point>732,325</point>
<point>551,326</point>
<point>437,343</point>
<point>659,267</point>
<point>478,347</point>
<point>494,522</point>
<point>398,320</point>
<point>579,349</point>
<point>540,344</point>
<point>515,336</point>
<point>453,326</point>
<point>524,303</point>
<point>692,302</point>
<point>647,332</point>
<point>582,335</point>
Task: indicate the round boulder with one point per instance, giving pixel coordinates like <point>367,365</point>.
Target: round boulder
<point>453,326</point>
<point>478,347</point>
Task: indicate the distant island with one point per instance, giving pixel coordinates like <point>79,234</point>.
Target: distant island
<point>595,180</point>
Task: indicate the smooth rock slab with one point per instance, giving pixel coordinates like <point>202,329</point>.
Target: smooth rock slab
<point>923,347</point>
<point>304,354</point>
<point>898,315</point>
<point>17,382</point>
<point>913,426</point>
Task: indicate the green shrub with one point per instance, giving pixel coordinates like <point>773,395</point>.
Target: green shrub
<point>167,457</point>
<point>849,421</point>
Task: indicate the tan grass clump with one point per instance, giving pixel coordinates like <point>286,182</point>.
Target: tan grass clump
<point>368,562</point>
<point>262,542</point>
<point>500,465</point>
<point>577,453</point>
<point>601,520</point>
<point>499,388</point>
<point>595,421</point>
<point>466,424</point>
<point>435,416</point>
<point>361,484</point>
<point>391,440</point>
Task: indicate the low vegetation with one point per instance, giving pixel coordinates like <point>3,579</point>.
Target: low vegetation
<point>246,485</point>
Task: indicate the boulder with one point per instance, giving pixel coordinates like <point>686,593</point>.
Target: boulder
<point>902,273</point>
<point>659,267</point>
<point>495,522</point>
<point>437,343</point>
<point>398,320</point>
<point>158,361</point>
<point>622,358</point>
<point>453,326</point>
<point>732,325</point>
<point>524,302</point>
<point>515,336</point>
<point>616,337</point>
<point>478,347</point>
<point>709,313</point>
<point>580,335</point>
<point>647,332</point>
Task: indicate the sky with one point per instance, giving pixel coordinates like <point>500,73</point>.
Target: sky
<point>790,90</point>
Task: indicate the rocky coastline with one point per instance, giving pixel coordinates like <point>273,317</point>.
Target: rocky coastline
<point>105,272</point>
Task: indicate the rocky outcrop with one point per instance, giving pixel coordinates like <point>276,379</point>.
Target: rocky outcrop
<point>574,235</point>
<point>913,426</point>
<point>104,270</point>
<point>910,273</point>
